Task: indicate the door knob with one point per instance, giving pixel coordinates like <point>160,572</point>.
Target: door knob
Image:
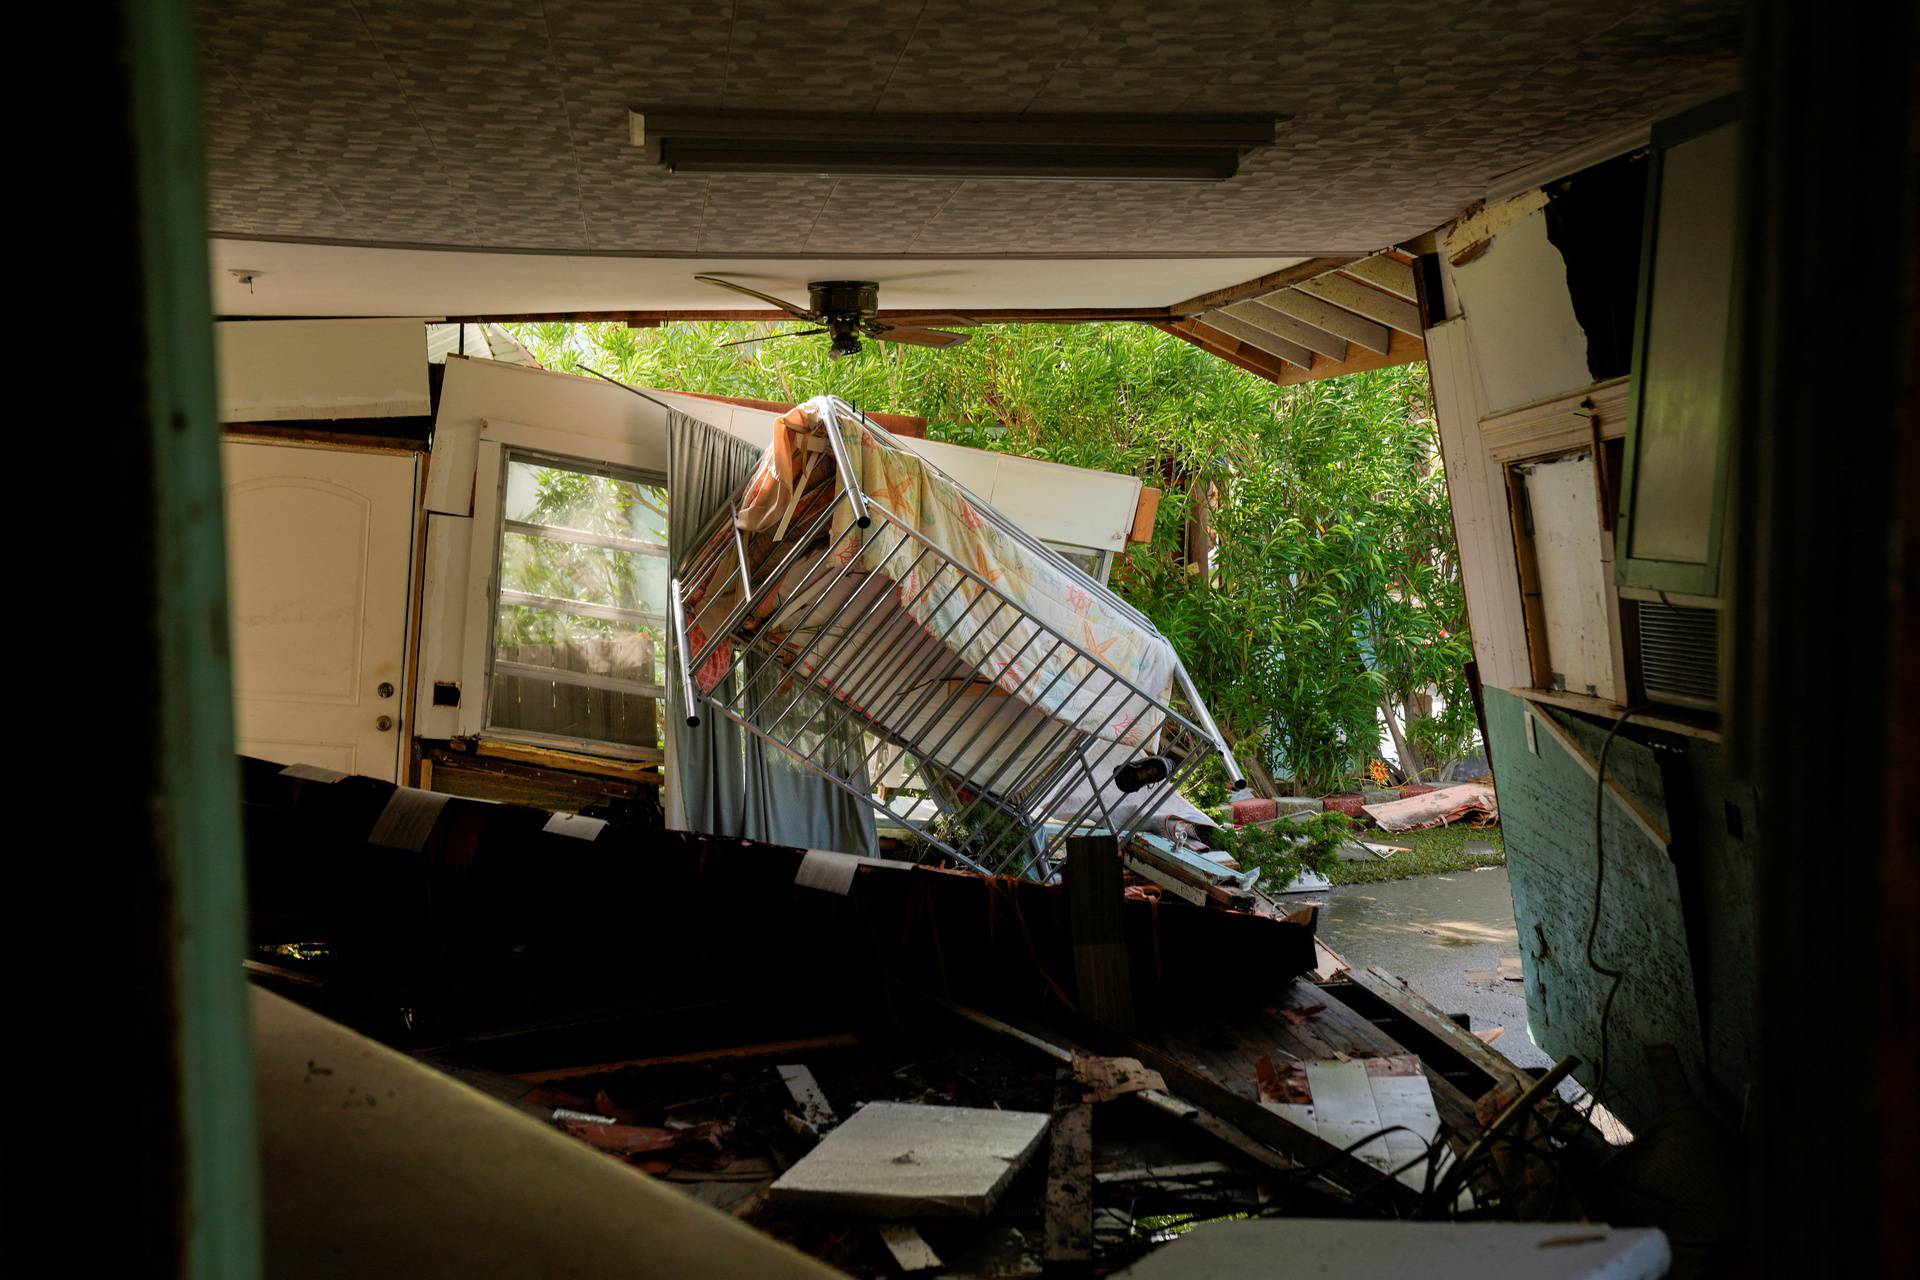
<point>384,723</point>
<point>386,689</point>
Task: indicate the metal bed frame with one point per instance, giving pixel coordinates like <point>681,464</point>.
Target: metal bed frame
<point>843,680</point>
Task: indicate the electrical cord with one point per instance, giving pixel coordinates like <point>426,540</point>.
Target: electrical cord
<point>1616,976</point>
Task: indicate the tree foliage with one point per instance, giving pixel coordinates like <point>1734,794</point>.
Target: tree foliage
<point>1331,594</point>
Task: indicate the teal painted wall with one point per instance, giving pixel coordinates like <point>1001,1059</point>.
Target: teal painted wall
<point>1678,920</point>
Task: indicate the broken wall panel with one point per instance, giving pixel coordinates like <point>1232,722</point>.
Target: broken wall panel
<point>495,908</point>
<point>1547,806</point>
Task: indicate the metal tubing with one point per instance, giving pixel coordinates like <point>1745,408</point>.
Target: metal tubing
<point>771,648</point>
<point>850,483</point>
<point>884,586</point>
<point>986,585</point>
<point>954,697</point>
<point>686,671</point>
<point>999,521</point>
<point>1206,723</point>
<point>748,602</point>
<point>774,647</point>
<point>740,549</point>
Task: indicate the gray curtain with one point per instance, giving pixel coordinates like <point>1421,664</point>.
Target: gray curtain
<point>727,781</point>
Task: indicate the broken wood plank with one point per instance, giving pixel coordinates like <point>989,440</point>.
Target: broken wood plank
<point>814,1109</point>
<point>777,1048</point>
<point>1241,1123</point>
<point>1069,1203</point>
<point>1429,1018</point>
<point>910,1250</point>
<point>1187,1112</point>
<point>1096,901</point>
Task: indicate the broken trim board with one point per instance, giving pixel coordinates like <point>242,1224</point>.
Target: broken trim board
<point>895,1160</point>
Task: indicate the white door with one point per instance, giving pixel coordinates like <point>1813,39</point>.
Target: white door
<point>319,562</point>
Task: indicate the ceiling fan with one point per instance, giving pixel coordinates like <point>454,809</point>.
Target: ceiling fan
<point>848,309</point>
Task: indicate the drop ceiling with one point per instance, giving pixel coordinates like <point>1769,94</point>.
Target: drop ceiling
<point>503,127</point>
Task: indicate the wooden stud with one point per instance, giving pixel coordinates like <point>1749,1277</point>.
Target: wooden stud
<point>1345,291</point>
<point>1256,287</point>
<point>1383,272</point>
<point>1265,318</point>
<point>1335,320</point>
<point>1266,340</point>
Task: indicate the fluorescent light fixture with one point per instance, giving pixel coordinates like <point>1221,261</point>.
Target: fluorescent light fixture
<point>1103,148</point>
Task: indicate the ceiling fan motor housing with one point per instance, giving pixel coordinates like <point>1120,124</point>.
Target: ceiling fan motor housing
<point>844,306</point>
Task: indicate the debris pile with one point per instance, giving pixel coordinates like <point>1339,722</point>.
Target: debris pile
<point>903,1069</point>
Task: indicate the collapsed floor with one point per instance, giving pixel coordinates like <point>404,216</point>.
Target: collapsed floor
<point>718,1014</point>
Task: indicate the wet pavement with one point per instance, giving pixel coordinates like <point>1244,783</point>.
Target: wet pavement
<point>1452,939</point>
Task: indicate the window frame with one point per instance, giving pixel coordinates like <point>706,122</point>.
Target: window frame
<point>484,604</point>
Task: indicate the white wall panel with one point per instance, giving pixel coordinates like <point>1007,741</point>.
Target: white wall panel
<point>303,370</point>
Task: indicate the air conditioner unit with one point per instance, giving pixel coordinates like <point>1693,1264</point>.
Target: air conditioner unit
<point>1675,651</point>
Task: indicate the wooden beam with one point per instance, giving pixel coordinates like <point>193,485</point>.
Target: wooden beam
<point>1254,288</point>
<point>1095,898</point>
<point>1250,334</point>
<point>1557,425</point>
<point>1261,316</point>
<point>1406,350</point>
<point>1144,512</point>
<point>1382,272</point>
<point>1335,320</point>
<point>1345,291</point>
<point>1230,349</point>
<point>640,770</point>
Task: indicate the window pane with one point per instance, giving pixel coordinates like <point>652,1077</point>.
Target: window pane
<point>583,590</point>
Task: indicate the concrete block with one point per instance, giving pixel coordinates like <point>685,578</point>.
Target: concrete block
<point>898,1160</point>
<point>1253,809</point>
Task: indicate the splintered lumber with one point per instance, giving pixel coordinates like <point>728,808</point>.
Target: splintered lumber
<point>1231,1121</point>
<point>1069,1208</point>
<point>1507,1076</point>
<point>814,1109</point>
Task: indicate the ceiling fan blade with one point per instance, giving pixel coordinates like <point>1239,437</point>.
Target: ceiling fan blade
<point>944,321</point>
<point>919,337</point>
<point>787,307</point>
<point>769,337</point>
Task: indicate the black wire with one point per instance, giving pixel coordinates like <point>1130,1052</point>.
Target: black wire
<point>1599,880</point>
